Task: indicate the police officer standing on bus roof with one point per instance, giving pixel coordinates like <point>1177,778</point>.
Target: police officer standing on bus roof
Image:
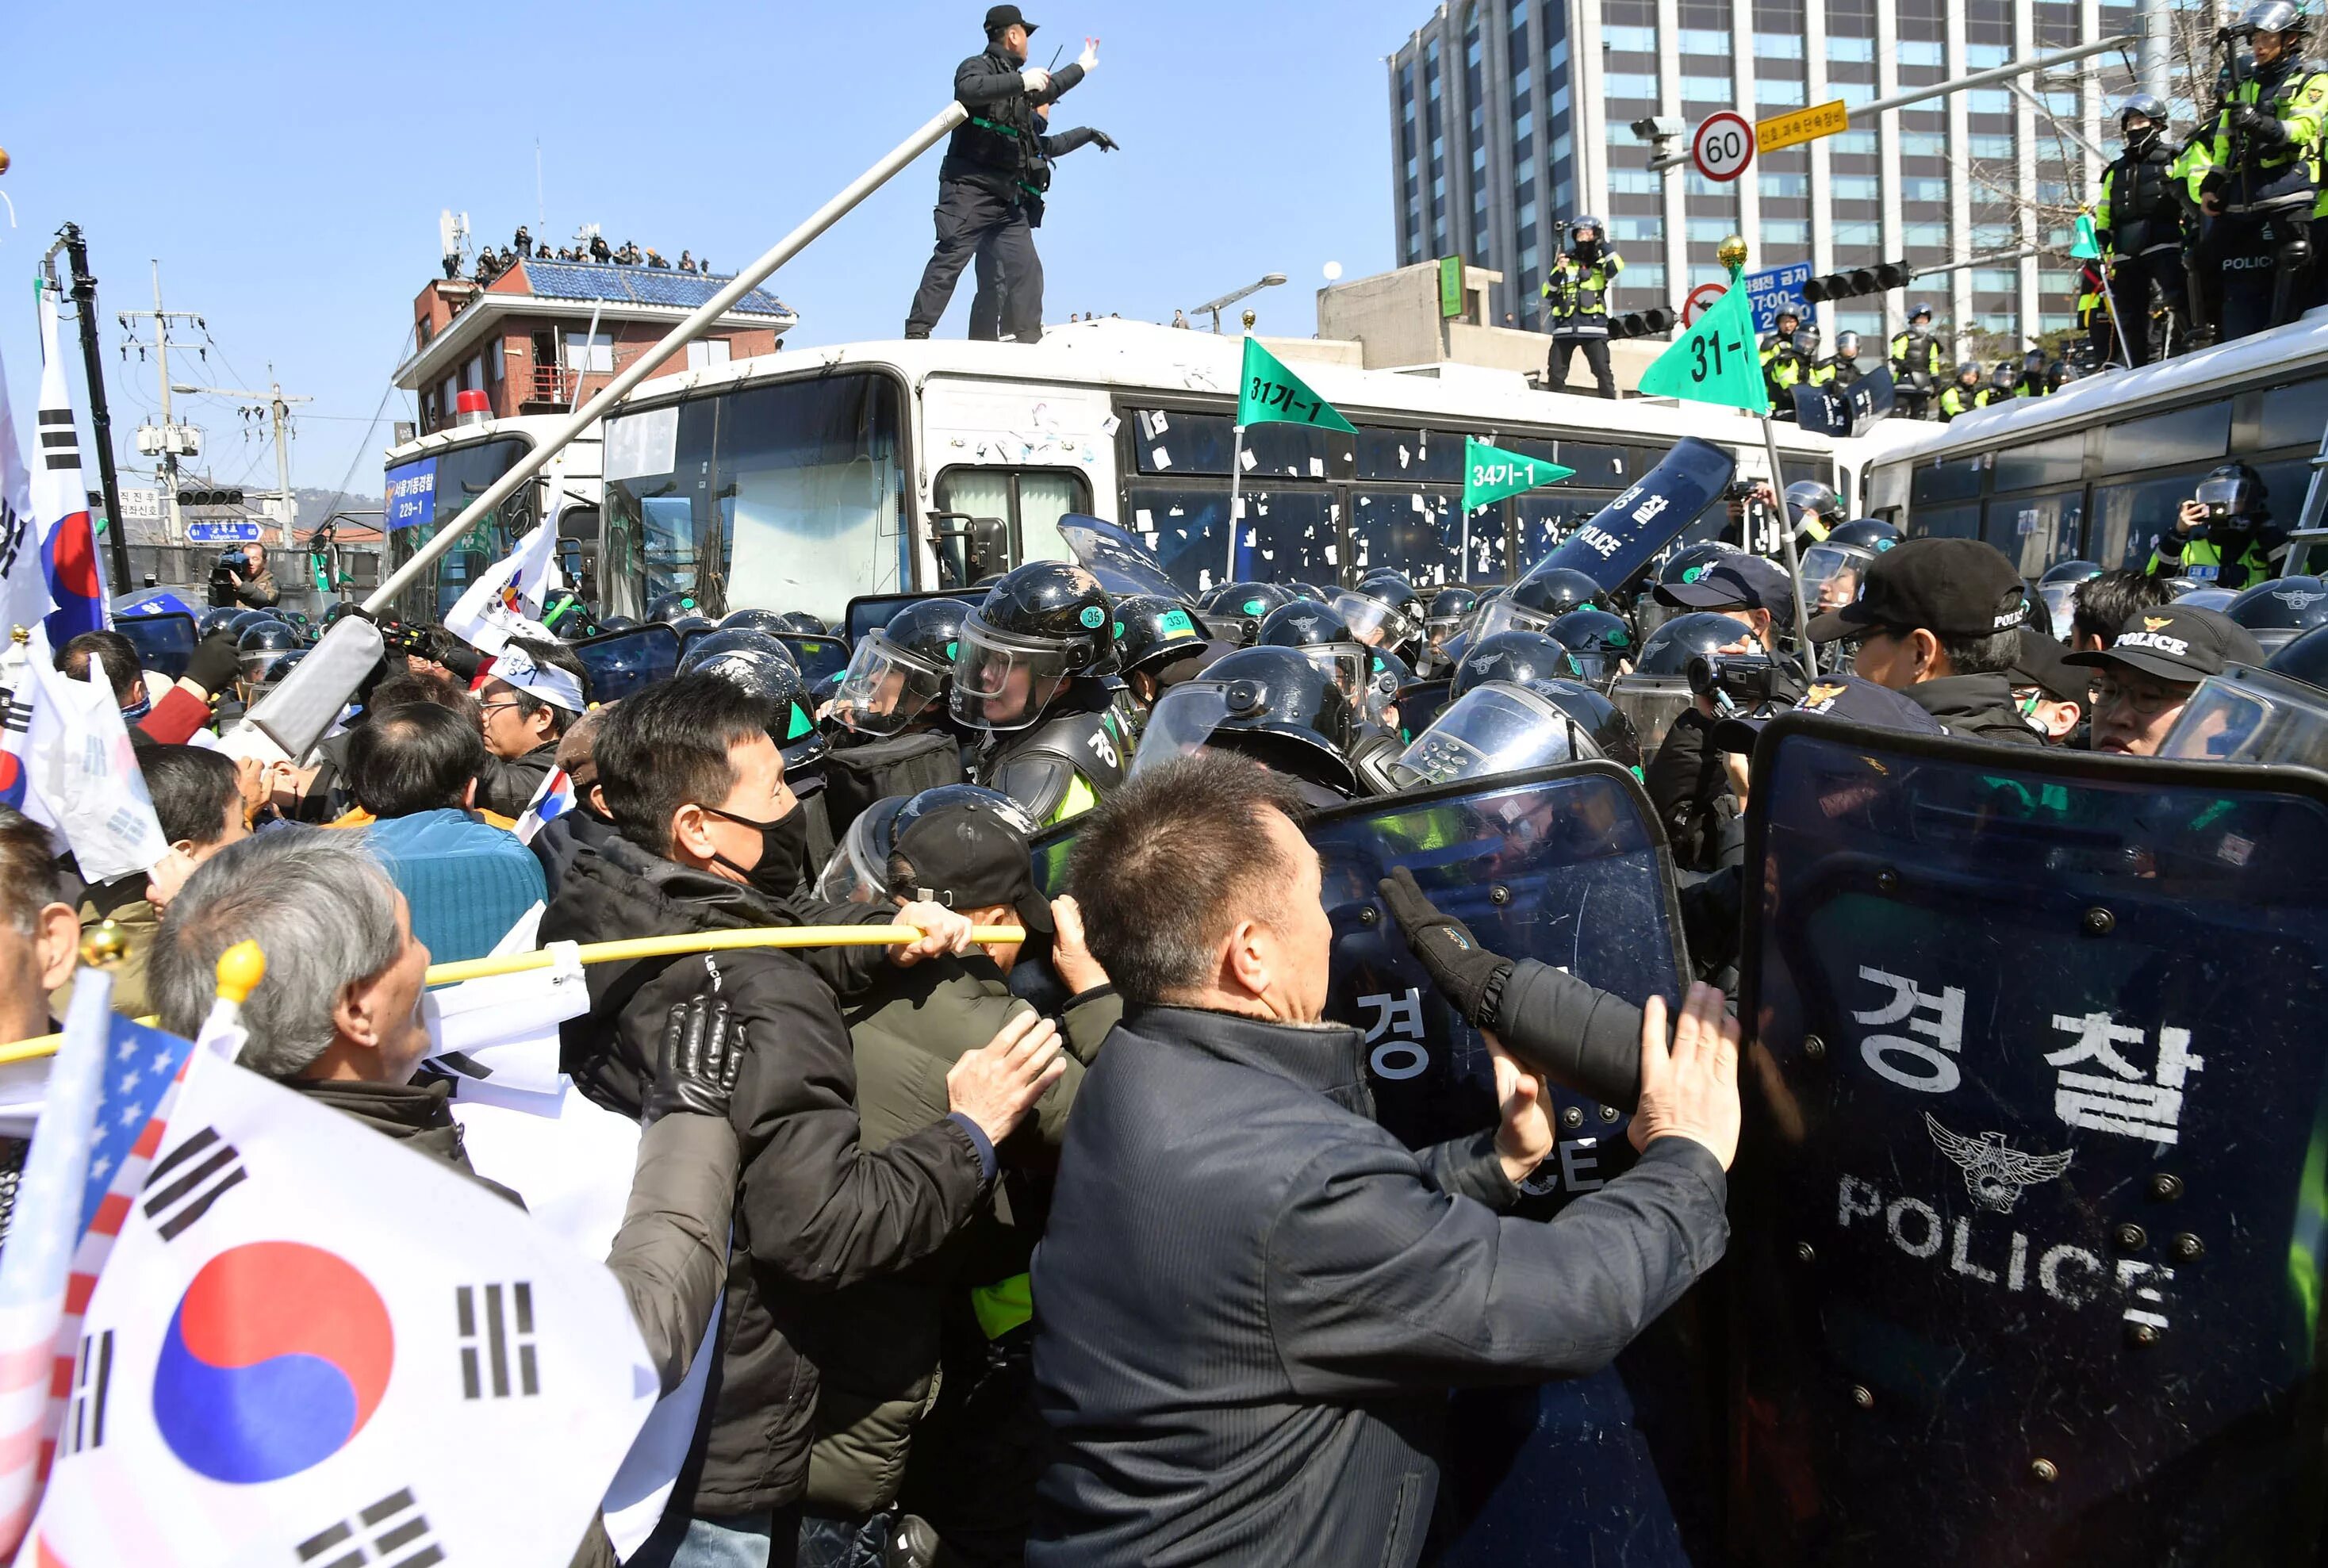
<point>2138,218</point>
<point>1576,299</point>
<point>987,188</point>
<point>1916,362</point>
<point>2253,174</point>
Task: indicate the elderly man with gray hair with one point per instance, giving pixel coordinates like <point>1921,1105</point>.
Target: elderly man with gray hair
<point>338,1020</point>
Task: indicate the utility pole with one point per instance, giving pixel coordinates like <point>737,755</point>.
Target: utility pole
<point>171,441</point>
<point>275,402</point>
<point>100,416</point>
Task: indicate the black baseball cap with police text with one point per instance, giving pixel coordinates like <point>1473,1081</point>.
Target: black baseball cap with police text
<point>1745,582</point>
<point>1950,587</point>
<point>968,854</point>
<point>999,17</point>
<point>2177,642</point>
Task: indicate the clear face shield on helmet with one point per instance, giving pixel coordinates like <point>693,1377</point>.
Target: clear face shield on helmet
<point>1004,682</point>
<point>2251,716</point>
<point>1503,615</point>
<point>260,669</point>
<point>1652,702</point>
<point>1182,724</point>
<point>1597,667</point>
<point>1344,664</point>
<point>2061,604</point>
<point>1495,728</point>
<point>2225,499</point>
<point>859,870</point>
<point>885,687</point>
<point>1373,622</point>
<point>1833,575</point>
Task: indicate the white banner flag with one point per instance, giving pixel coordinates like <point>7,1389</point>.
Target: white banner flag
<point>505,601</point>
<point>24,588</point>
<point>79,770</point>
<point>321,1346</point>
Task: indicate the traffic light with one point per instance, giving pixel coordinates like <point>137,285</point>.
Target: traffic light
<point>210,498</point>
<point>1859,280</point>
<point>1642,324</point>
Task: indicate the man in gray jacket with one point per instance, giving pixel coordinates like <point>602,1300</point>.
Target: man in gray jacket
<point>1251,1299</point>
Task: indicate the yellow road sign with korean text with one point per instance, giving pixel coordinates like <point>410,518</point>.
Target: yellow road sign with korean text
<point>1802,124</point>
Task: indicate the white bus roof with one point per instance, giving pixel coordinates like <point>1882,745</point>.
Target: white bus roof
<point>1145,357</point>
<point>534,428</point>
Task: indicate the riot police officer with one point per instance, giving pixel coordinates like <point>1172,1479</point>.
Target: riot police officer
<point>1844,369</point>
<point>1791,363</point>
<point>2253,172</point>
<point>1273,704</point>
<point>1026,671</point>
<point>1576,305</point>
<point>2138,221</point>
<point>1916,361</point>
<point>986,185</point>
<point>1783,328</point>
<point>2004,383</point>
<point>892,728</point>
<point>1963,394</point>
<point>2223,536</point>
<point>1834,570</point>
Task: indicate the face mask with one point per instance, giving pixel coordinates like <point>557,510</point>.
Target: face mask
<point>1588,249</point>
<point>782,842</point>
<point>131,714</point>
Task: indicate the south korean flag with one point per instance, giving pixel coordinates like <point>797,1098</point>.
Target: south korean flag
<point>312,1346</point>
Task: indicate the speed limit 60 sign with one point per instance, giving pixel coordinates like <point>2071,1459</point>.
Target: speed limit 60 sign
<point>1722,146</point>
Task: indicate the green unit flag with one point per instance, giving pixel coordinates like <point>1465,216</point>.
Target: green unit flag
<point>1272,395</point>
<point>1491,474</point>
<point>1717,361</point>
<point>2087,247</point>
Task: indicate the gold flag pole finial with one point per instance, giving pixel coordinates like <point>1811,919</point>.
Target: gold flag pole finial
<point>106,947</point>
<point>240,968</point>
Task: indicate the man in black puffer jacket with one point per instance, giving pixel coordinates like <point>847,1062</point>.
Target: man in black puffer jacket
<point>712,840</point>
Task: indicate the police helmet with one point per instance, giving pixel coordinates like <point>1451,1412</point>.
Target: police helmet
<point>730,640</point>
<point>2270,16</point>
<point>690,626</point>
<point>1325,639</point>
<point>1271,704</point>
<point>1519,657</point>
<point>261,648</point>
<point>1233,611</point>
<point>1968,368</point>
<point>801,623</point>
<point>1601,720</point>
<point>1806,341</point>
<point>2061,373</point>
<point>1846,346</point>
<point>2004,375</point>
<point>338,612</point>
<point>771,676</point>
<point>767,621</point>
<point>859,870</point>
<point>2198,595</point>
<point>1536,601</point>
<point>1834,570</point>
<point>1498,727</point>
<point>276,674</point>
<point>1655,690</point>
<point>2232,490</point>
<point>619,624</point>
<point>1599,643</point>
<point>2057,589</point>
<point>1686,566</point>
<point>2145,105</point>
<point>1380,616</point>
<point>898,669</point>
<point>1816,498</point>
<point>673,607</point>
<point>242,621</point>
<point>1921,309</point>
<point>1042,626</point>
<point>1153,631</point>
<point>2281,609</point>
<point>2033,362</point>
<point>215,620</point>
<point>2303,656</point>
<point>1449,605</point>
<point>1588,221</point>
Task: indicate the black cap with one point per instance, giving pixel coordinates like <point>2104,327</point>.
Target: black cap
<point>1841,697</point>
<point>2178,643</point>
<point>966,857</point>
<point>2043,662</point>
<point>1950,587</point>
<point>999,17</point>
<point>1733,581</point>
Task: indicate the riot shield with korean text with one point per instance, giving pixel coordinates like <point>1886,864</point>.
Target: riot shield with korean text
<point>1564,865</point>
<point>2027,1224</point>
<point>1622,535</point>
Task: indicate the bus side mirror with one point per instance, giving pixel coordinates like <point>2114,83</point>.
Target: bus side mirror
<point>969,548</point>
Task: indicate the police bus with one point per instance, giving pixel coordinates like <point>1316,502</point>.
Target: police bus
<point>431,480</point>
<point>802,479</point>
<point>2097,470</point>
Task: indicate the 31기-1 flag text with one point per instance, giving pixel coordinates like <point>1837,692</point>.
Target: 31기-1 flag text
<point>1270,394</point>
<point>1717,360</point>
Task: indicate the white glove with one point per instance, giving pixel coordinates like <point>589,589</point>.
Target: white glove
<point>1089,57</point>
<point>1035,78</point>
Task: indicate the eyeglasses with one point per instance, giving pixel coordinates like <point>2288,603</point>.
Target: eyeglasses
<point>2146,700</point>
<point>497,707</point>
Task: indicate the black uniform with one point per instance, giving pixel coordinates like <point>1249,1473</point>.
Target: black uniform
<point>2141,218</point>
<point>986,300</point>
<point>994,168</point>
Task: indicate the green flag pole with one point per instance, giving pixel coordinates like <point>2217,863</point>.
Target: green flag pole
<point>2090,242</point>
<point>1786,536</point>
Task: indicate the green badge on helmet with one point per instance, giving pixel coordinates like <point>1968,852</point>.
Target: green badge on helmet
<point>950,648</point>
<point>1119,631</point>
<point>1177,624</point>
<point>1256,607</point>
<point>1094,618</point>
<point>1691,574</point>
<point>1620,638</point>
<point>801,723</point>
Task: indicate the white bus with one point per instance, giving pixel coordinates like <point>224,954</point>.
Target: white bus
<point>801,479</point>
<point>2095,471</point>
<point>431,480</point>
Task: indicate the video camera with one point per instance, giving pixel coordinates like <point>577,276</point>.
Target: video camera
<point>226,576</point>
<point>1737,683</point>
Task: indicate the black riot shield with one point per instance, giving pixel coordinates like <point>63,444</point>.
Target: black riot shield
<point>1872,398</point>
<point>1564,865</point>
<point>822,661</point>
<point>1823,409</point>
<point>164,642</point>
<point>2028,1220</point>
<point>869,613</point>
<point>620,662</point>
<point>1623,535</point>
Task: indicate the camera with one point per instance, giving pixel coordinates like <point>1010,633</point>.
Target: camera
<point>224,577</point>
<point>1737,683</point>
<point>1739,490</point>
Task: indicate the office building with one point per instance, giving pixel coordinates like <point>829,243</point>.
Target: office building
<point>1510,117</point>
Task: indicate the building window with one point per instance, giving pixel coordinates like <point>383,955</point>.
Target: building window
<point>2053,282</point>
<point>1776,92</point>
<point>1861,236</point>
<point>1993,237</point>
<point>1520,80</point>
<point>1983,100</point>
<point>1649,277</point>
<point>1796,232</point>
<point>1867,325</point>
<point>1714,90</point>
<point>1923,190</point>
<point>2049,322</point>
<point>1632,40</point>
<point>1635,183</point>
<point>1859,49</point>
<point>1929,144</point>
<point>1643,229</point>
<point>1557,55</point>
<point>1853,92</point>
<point>1632,84</point>
<point>1920,52</point>
<point>1785,187</point>
<point>1563,146</point>
<point>1982,56</point>
<point>1994,280</point>
<point>1851,187</point>
<point>707,351</point>
<point>1932,236</point>
<point>597,358</point>
<point>1778,46</point>
<point>1705,41</point>
<point>1854,143</point>
<point>1713,230</point>
<point>1989,146</point>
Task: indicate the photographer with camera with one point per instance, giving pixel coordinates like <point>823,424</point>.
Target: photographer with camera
<point>242,576</point>
<point>2223,535</point>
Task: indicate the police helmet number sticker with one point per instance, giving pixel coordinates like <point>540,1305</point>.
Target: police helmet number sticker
<point>1094,616</point>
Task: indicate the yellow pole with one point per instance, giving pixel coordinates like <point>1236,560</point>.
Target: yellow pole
<point>616,953</point>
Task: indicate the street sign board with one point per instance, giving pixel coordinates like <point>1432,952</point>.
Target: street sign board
<point>1722,146</point>
<point>1803,124</point>
<point>141,505</point>
<point>1700,298</point>
<point>222,533</point>
<point>1779,288</point>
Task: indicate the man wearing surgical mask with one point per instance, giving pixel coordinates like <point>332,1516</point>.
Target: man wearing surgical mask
<point>712,837</point>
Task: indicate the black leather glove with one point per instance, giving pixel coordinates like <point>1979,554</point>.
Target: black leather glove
<point>2256,123</point>
<point>1104,142</point>
<point>1466,974</point>
<point>695,1070</point>
<point>213,665</point>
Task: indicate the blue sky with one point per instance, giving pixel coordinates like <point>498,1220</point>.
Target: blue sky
<point>287,165</point>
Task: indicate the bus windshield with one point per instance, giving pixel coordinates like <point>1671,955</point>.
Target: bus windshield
<point>426,492</point>
<point>784,496</point>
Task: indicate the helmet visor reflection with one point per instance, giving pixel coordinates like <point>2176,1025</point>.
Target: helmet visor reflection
<point>885,688</point>
<point>1004,683</point>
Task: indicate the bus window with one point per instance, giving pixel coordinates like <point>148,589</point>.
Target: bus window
<point>1409,455</point>
<point>1418,532</point>
<point>1887,489</point>
<point>1295,452</point>
<point>2181,436</point>
<point>2060,460</point>
<point>2126,517</point>
<point>812,491</point>
<point>1294,535</point>
<point>1293,531</point>
<point>1168,441</point>
<point>2292,416</point>
<point>658,505</point>
<point>430,492</point>
<point>1947,521</point>
<point>1598,464</point>
<point>1030,500</point>
<point>1945,480</point>
<point>2035,530</point>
